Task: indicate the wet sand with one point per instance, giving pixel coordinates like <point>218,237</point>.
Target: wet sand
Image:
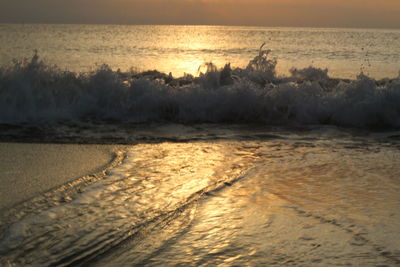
<point>27,170</point>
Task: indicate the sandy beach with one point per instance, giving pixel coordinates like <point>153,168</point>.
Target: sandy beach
<point>30,169</point>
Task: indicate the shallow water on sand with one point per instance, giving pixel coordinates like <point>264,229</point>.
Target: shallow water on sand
<point>302,205</point>
<point>286,199</point>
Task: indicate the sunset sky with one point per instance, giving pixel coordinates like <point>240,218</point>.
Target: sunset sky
<point>314,13</point>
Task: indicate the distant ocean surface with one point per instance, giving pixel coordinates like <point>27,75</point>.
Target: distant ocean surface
<point>182,49</point>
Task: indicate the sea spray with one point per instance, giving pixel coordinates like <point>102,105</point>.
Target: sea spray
<point>32,91</point>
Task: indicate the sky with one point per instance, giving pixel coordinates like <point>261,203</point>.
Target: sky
<point>300,13</point>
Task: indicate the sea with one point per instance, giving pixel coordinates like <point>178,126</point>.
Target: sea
<point>241,146</point>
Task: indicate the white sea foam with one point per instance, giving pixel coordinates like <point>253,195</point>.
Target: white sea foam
<point>32,91</point>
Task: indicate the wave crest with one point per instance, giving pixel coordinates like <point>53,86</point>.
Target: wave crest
<point>32,91</point>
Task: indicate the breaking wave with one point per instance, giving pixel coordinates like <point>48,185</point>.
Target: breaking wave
<point>32,91</point>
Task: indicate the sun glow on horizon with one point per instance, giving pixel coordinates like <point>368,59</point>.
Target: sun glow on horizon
<point>309,13</point>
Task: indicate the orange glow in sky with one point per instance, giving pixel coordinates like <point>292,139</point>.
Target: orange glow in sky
<point>311,13</point>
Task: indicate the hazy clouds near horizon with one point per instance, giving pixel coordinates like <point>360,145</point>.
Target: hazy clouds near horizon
<point>318,13</point>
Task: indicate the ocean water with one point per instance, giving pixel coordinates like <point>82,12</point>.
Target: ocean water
<point>183,49</point>
<point>267,161</point>
<point>207,195</point>
<point>59,80</point>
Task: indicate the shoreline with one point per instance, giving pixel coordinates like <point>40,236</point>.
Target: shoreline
<point>31,169</point>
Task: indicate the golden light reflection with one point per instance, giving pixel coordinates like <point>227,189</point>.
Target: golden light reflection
<point>277,213</point>
<point>189,67</point>
<point>195,46</point>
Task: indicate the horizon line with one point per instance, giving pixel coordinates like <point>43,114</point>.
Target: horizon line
<point>205,25</point>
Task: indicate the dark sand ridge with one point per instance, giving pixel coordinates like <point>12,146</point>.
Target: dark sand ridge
<point>26,170</point>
